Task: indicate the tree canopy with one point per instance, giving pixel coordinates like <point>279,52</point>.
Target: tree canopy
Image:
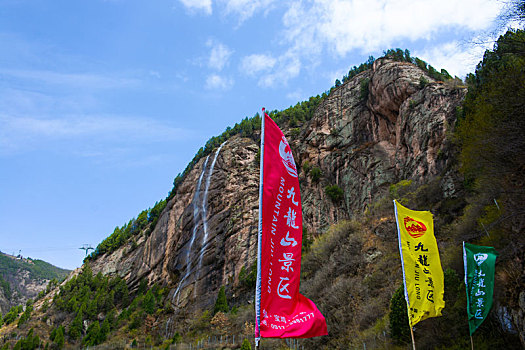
<point>490,132</point>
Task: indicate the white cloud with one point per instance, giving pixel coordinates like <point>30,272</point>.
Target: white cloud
<point>313,29</point>
<point>288,67</point>
<point>245,9</point>
<point>369,25</point>
<point>333,75</point>
<point>217,82</point>
<point>254,64</point>
<point>83,80</point>
<point>242,10</point>
<point>23,133</point>
<point>77,126</point>
<point>154,73</point>
<point>219,56</point>
<point>198,5</point>
<point>297,95</point>
<point>458,59</point>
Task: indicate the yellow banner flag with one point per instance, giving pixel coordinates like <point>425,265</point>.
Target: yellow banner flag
<point>422,272</point>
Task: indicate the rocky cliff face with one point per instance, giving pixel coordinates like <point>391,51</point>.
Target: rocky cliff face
<point>19,281</point>
<point>381,127</point>
<point>207,232</point>
<point>5,303</point>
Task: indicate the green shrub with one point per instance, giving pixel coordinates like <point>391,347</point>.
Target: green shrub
<point>248,277</point>
<point>149,341</point>
<point>258,156</point>
<point>364,89</point>
<point>400,189</point>
<point>315,174</point>
<point>422,81</point>
<point>307,242</point>
<point>26,315</point>
<point>6,287</point>
<point>420,63</point>
<point>246,345</point>
<point>306,167</point>
<point>335,193</point>
<point>295,132</point>
<point>177,338</point>
<point>11,315</point>
<point>136,320</point>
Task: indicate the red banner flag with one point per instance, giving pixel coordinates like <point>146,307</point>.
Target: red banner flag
<point>281,311</point>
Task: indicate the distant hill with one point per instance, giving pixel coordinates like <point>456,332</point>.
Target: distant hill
<point>23,278</point>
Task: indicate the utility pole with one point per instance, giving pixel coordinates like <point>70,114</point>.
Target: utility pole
<point>86,247</point>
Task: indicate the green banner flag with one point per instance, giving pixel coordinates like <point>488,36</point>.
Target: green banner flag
<point>479,281</point>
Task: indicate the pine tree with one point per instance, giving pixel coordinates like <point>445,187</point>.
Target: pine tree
<point>221,304</point>
<point>92,334</point>
<point>104,330</point>
<point>112,319</point>
<point>75,329</point>
<point>148,304</point>
<point>121,292</point>
<point>91,311</point>
<point>399,329</point>
<point>246,345</point>
<point>59,338</point>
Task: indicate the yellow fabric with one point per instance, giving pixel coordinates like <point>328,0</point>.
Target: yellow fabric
<point>422,272</point>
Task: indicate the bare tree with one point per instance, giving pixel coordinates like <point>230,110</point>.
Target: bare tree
<point>513,14</point>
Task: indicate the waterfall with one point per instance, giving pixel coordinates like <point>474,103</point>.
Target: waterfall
<point>205,208</point>
<point>167,333</point>
<point>196,209</point>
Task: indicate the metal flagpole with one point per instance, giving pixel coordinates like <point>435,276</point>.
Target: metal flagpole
<point>404,279</point>
<point>259,240</point>
<point>412,334</point>
<point>466,289</point>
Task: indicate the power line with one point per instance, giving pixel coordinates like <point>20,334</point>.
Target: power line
<point>38,250</point>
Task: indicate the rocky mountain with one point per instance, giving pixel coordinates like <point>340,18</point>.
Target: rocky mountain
<point>384,133</point>
<point>382,127</point>
<point>361,142</point>
<point>23,278</point>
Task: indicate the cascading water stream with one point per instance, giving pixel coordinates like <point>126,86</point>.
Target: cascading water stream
<point>196,209</point>
<point>205,208</point>
<point>167,332</point>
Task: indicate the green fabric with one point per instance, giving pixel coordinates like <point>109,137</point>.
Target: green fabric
<point>479,281</point>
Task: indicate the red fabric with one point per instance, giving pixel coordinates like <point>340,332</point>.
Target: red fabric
<point>284,313</point>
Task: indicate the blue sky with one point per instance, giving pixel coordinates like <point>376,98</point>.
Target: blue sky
<point>104,102</point>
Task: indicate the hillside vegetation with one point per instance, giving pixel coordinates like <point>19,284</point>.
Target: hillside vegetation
<point>351,271</point>
<point>37,269</point>
<point>23,278</point>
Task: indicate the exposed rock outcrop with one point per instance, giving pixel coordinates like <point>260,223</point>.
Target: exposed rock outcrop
<point>175,252</point>
<point>23,279</point>
<point>380,127</point>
